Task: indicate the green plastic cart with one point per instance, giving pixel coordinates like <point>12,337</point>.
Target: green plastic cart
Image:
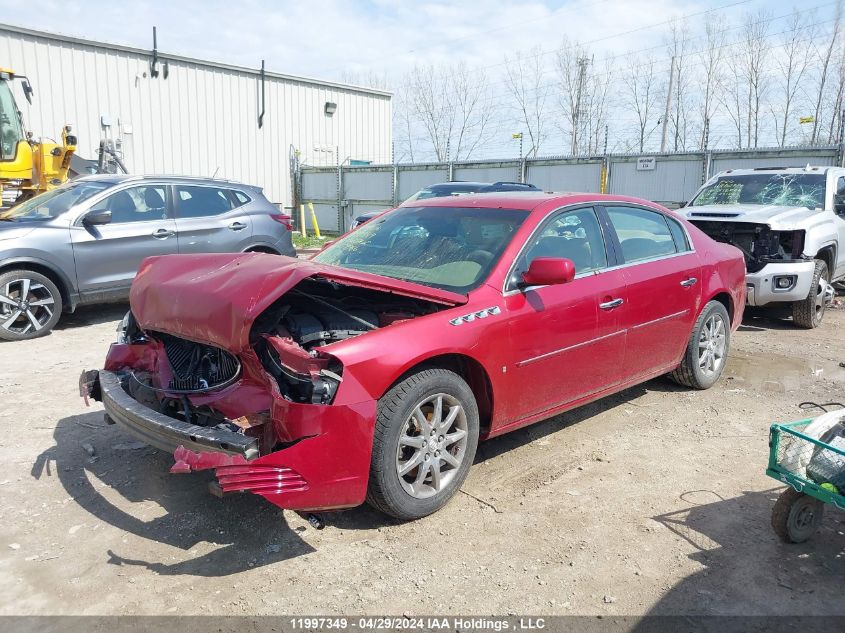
<point>814,470</point>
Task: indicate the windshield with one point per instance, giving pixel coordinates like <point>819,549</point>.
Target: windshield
<point>788,190</point>
<point>10,123</point>
<point>451,248</point>
<point>51,204</point>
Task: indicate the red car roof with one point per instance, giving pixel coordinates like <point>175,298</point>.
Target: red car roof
<point>527,201</point>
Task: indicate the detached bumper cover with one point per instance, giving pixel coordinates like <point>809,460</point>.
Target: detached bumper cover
<point>164,432</point>
<point>761,285</point>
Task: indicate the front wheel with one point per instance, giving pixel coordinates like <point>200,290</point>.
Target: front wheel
<point>707,350</point>
<point>808,313</point>
<point>425,439</point>
<point>30,305</point>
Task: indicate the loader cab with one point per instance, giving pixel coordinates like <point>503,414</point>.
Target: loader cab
<point>11,130</point>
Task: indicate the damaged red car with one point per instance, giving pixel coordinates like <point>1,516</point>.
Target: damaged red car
<point>371,371</point>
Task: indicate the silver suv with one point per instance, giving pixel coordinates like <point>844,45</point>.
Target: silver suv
<point>83,242</point>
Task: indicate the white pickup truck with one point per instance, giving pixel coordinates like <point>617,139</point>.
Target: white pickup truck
<point>789,223</point>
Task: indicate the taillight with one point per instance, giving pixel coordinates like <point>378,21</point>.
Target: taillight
<point>281,218</point>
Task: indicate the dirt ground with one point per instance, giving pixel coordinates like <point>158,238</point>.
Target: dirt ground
<point>652,501</point>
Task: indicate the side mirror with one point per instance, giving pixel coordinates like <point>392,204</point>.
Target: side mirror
<point>547,271</point>
<point>326,244</point>
<point>683,204</point>
<point>27,90</point>
<point>96,218</point>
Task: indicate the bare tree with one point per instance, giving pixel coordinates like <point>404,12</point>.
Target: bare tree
<point>711,59</point>
<point>403,124</point>
<point>596,107</point>
<point>823,57</point>
<point>641,95</point>
<point>837,101</point>
<point>446,102</point>
<point>753,64</point>
<point>792,65</point>
<point>677,45</point>
<point>469,92</point>
<point>524,81</point>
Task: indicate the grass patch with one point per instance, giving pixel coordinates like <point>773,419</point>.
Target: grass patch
<point>312,241</point>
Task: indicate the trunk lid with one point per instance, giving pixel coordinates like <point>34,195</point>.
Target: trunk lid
<point>215,298</point>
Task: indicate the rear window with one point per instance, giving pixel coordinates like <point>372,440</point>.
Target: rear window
<point>197,202</point>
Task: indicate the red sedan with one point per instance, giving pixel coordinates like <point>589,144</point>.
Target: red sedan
<point>371,371</point>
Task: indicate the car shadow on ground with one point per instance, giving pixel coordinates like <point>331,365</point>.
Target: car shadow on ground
<point>746,569</point>
<point>219,536</point>
<point>93,315</point>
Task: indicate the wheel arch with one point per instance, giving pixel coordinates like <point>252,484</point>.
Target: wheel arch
<point>70,298</point>
<point>726,300</point>
<point>827,254</point>
<point>261,248</point>
<point>468,368</point>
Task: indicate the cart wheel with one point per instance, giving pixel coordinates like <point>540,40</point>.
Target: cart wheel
<point>796,516</point>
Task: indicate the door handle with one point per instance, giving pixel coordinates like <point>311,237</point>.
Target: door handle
<point>237,226</point>
<point>609,305</point>
<point>686,283</point>
<point>162,234</point>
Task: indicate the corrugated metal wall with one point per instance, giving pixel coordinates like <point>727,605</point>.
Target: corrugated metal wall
<point>674,179</point>
<point>201,120</point>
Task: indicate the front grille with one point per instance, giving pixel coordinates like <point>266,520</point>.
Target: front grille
<point>198,367</point>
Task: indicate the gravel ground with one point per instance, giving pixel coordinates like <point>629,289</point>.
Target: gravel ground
<point>651,501</point>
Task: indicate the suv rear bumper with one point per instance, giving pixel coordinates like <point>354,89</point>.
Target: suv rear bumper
<point>762,289</point>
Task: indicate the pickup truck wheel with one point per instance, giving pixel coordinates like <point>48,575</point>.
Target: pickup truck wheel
<point>425,439</point>
<point>707,350</point>
<point>808,313</point>
<point>30,305</point>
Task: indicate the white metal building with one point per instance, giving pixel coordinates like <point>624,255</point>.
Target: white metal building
<point>201,119</point>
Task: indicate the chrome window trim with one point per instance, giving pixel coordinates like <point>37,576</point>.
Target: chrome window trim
<point>600,203</point>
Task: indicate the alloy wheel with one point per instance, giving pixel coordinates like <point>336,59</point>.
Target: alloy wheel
<point>712,345</point>
<point>25,306</point>
<point>432,445</point>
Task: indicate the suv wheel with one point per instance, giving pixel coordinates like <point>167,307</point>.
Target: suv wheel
<point>30,305</point>
<point>808,313</point>
<point>425,439</point>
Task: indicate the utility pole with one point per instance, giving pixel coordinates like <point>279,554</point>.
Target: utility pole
<point>576,114</point>
<point>668,105</point>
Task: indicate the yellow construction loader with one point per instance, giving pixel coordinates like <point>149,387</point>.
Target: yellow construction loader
<point>28,166</point>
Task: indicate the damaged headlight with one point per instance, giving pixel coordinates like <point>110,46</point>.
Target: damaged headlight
<point>128,330</point>
<point>311,385</point>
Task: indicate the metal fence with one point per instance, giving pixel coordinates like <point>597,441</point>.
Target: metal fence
<point>339,194</point>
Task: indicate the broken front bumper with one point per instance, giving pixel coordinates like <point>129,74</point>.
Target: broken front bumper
<point>324,463</point>
<point>762,287</point>
<point>164,432</point>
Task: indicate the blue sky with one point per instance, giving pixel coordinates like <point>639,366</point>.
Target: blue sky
<point>324,39</point>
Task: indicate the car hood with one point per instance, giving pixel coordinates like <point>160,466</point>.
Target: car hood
<point>215,298</point>
<point>777,217</point>
<point>12,230</point>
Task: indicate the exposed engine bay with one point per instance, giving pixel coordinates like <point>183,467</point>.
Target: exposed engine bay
<point>759,244</point>
<point>317,313</point>
<point>288,339</point>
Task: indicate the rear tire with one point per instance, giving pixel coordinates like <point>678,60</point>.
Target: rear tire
<point>707,350</point>
<point>30,305</point>
<point>422,450</point>
<point>808,313</point>
<point>796,516</point>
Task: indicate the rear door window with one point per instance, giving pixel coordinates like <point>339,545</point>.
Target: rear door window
<point>193,201</point>
<point>643,234</point>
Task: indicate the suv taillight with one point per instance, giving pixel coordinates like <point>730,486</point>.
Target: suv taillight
<point>281,218</point>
